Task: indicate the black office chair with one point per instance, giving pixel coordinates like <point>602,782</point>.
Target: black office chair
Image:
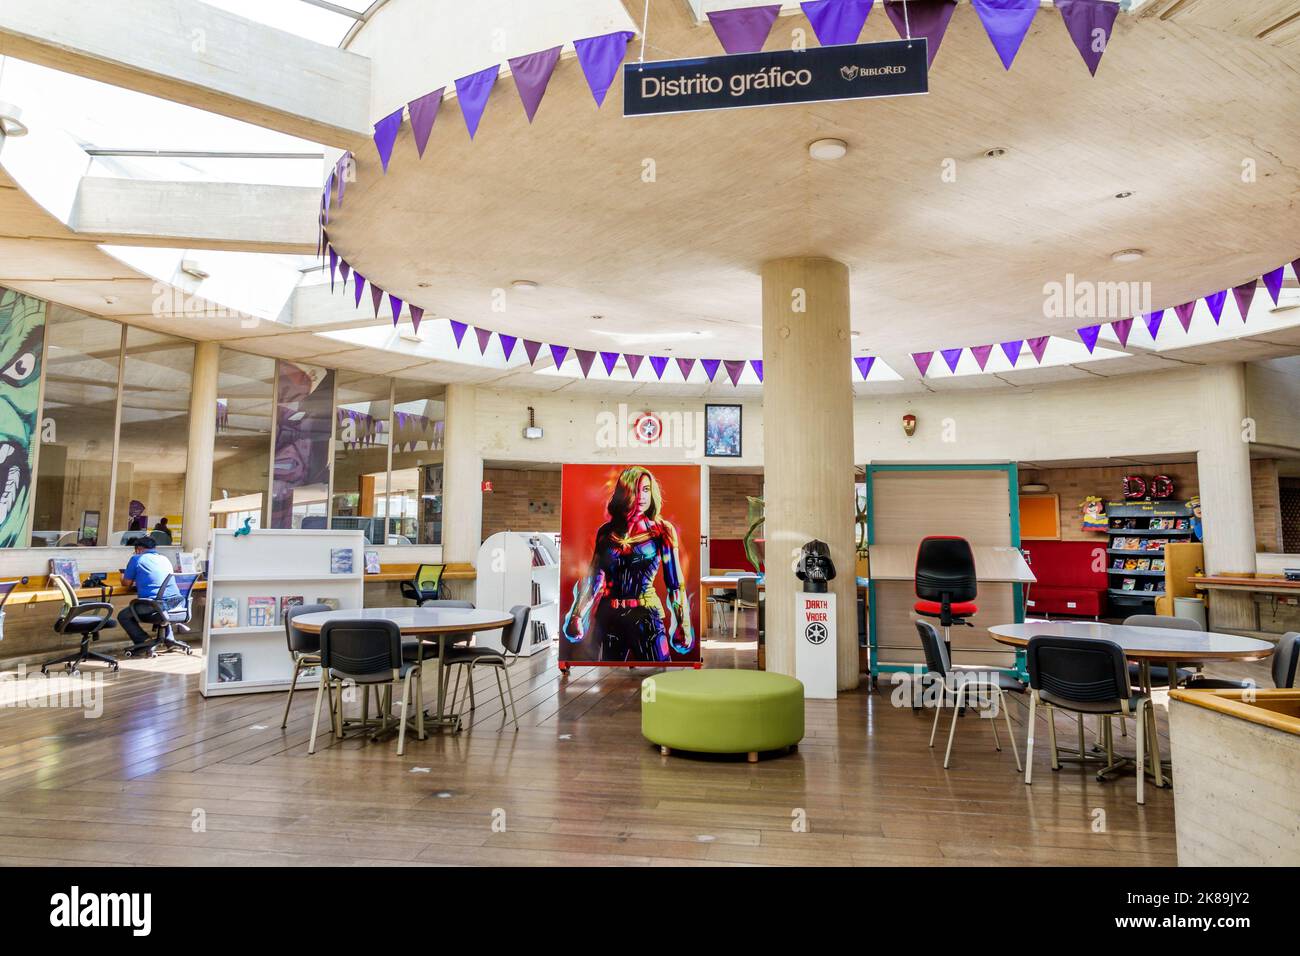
<point>1085,676</point>
<point>304,648</point>
<point>426,586</point>
<point>1286,657</point>
<point>367,654</point>
<point>512,640</point>
<point>86,621</point>
<point>166,618</point>
<point>945,582</point>
<point>1159,672</point>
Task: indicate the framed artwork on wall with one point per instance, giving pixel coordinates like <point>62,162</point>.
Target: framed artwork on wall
<point>722,432</point>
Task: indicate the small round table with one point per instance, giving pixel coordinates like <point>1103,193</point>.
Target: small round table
<point>445,624</point>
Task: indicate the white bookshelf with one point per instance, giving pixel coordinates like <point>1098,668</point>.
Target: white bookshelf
<point>506,575</point>
<point>275,563</point>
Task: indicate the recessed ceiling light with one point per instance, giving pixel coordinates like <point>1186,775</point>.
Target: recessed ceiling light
<point>424,285</point>
<point>1126,255</point>
<point>524,285</point>
<point>828,149</point>
<point>597,318</point>
<point>997,152</point>
<point>1124,195</point>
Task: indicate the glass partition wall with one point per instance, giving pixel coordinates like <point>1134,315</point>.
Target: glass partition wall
<point>241,459</point>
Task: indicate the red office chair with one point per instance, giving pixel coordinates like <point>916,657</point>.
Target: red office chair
<point>945,582</point>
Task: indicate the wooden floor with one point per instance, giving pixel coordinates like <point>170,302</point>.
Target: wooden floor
<point>167,777</point>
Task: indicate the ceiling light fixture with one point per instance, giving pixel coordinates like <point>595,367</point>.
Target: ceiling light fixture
<point>1126,255</point>
<point>11,121</point>
<point>1124,195</point>
<point>524,285</point>
<point>828,150</point>
<point>997,152</point>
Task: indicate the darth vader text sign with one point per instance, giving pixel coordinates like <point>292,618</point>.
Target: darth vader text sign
<point>818,74</point>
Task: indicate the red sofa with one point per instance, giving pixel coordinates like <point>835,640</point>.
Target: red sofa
<point>1068,583</point>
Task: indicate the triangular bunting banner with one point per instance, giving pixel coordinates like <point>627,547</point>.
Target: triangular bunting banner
<point>757,365</point>
<point>1153,320</point>
<point>659,363</point>
<point>950,358</point>
<point>423,112</point>
<point>395,304</point>
<point>329,195</point>
<point>1184,313</point>
<point>922,360</point>
<point>343,172</point>
<point>386,135</point>
<point>710,367</point>
<point>864,363</point>
<point>417,314</point>
<point>484,338</point>
<point>376,296</point>
<point>1088,335</point>
<point>1273,282</point>
<point>473,91</point>
<point>685,366</point>
<point>458,330</point>
<point>334,265</point>
<point>1122,328</point>
<point>633,362</point>
<point>1215,302</point>
<point>744,30</point>
<point>609,360</point>
<point>922,18</point>
<point>345,270</point>
<point>837,21</point>
<point>531,349</point>
<point>981,353</point>
<point>585,358</point>
<point>1244,295</point>
<point>600,58</point>
<point>1006,22</point>
<point>507,344</point>
<point>1089,23</point>
<point>532,73</point>
<point>358,285</point>
<point>1038,347</point>
<point>734,369</point>
<point>1012,351</point>
<point>558,353</point>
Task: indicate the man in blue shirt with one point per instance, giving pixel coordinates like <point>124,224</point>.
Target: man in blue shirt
<point>147,570</point>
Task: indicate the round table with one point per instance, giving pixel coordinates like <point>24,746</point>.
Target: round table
<point>444,624</point>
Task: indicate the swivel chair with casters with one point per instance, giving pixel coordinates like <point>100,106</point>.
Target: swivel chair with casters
<point>945,583</point>
<point>501,661</point>
<point>304,648</point>
<point>166,620</point>
<point>425,586</point>
<point>86,621</point>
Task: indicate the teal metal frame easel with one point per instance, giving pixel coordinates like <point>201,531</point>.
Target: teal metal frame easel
<point>1019,670</point>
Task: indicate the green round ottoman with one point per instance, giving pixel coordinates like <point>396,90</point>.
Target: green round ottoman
<point>722,711</point>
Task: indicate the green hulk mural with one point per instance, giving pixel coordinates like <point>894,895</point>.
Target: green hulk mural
<point>22,337</point>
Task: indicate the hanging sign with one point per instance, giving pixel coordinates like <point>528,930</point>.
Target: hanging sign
<point>783,77</point>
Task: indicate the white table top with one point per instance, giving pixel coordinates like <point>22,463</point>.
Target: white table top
<point>413,620</point>
<point>1152,643</point>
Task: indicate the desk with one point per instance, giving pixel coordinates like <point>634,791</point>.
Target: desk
<point>447,625</point>
<point>1233,608</point>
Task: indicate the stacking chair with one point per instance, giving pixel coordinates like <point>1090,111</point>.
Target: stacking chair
<point>469,658</point>
<point>1085,676</point>
<point>1286,660</point>
<point>1159,672</point>
<point>367,654</point>
<point>968,688</point>
<point>746,599</point>
<point>304,648</point>
<point>166,620</point>
<point>426,585</point>
<point>945,582</point>
<point>722,602</point>
<point>86,621</point>
<point>415,648</point>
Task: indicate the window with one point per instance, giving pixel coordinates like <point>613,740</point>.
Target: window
<point>304,406</point>
<point>241,460</point>
<point>415,486</point>
<point>361,441</point>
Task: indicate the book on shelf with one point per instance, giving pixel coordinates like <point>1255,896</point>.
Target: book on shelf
<point>1128,584</point>
<point>340,560</point>
<point>261,611</point>
<point>225,613</point>
<point>1149,586</point>
<point>372,562</point>
<point>230,667</point>
<point>65,568</point>
<point>332,603</point>
<point>288,602</point>
<point>537,593</point>
<point>1157,564</point>
<point>1143,564</point>
<point>1131,564</point>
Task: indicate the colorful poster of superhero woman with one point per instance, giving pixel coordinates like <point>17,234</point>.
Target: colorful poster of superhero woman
<point>630,565</point>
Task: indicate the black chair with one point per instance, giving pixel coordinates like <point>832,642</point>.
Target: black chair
<point>968,687</point>
<point>304,648</point>
<point>1286,660</point>
<point>367,654</point>
<point>86,621</point>
<point>166,617</point>
<point>1085,676</point>
<point>512,640</point>
<point>423,649</point>
<point>945,582</point>
<point>1159,672</point>
<point>425,586</point>
<point>747,599</point>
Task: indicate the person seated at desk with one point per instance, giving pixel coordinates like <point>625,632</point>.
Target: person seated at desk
<point>161,533</point>
<point>147,570</point>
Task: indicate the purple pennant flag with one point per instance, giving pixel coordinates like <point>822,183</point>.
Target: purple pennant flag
<point>532,73</point>
<point>458,330</point>
<point>417,314</point>
<point>1153,320</point>
<point>1088,335</point>
<point>1244,295</point>
<point>1184,313</point>
<point>386,135</point>
<point>329,196</point>
<point>1006,22</point>
<point>734,369</point>
<point>633,362</point>
<point>334,265</point>
<point>864,363</point>
<point>1273,282</point>
<point>585,358</point>
<point>951,357</point>
<point>1215,302</point>
<point>358,285</point>
<point>484,337</point>
<point>685,366</point>
<point>531,349</point>
<point>1295,268</point>
<point>609,360</point>
<point>922,360</point>
<point>558,353</point>
<point>744,30</point>
<point>395,304</point>
<point>1089,23</point>
<point>344,271</point>
<point>423,112</point>
<point>507,344</point>
<point>1122,328</point>
<point>376,296</point>
<point>1039,347</point>
<point>1012,350</point>
<point>342,170</point>
<point>710,367</point>
<point>981,353</point>
<point>659,363</point>
<point>757,365</point>
<point>600,58</point>
<point>473,91</point>
<point>922,18</point>
<point>837,21</point>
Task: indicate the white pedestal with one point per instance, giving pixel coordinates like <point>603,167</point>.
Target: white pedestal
<point>814,644</point>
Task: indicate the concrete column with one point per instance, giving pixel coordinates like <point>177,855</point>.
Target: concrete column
<point>462,478</point>
<point>808,437</point>
<point>203,435</point>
